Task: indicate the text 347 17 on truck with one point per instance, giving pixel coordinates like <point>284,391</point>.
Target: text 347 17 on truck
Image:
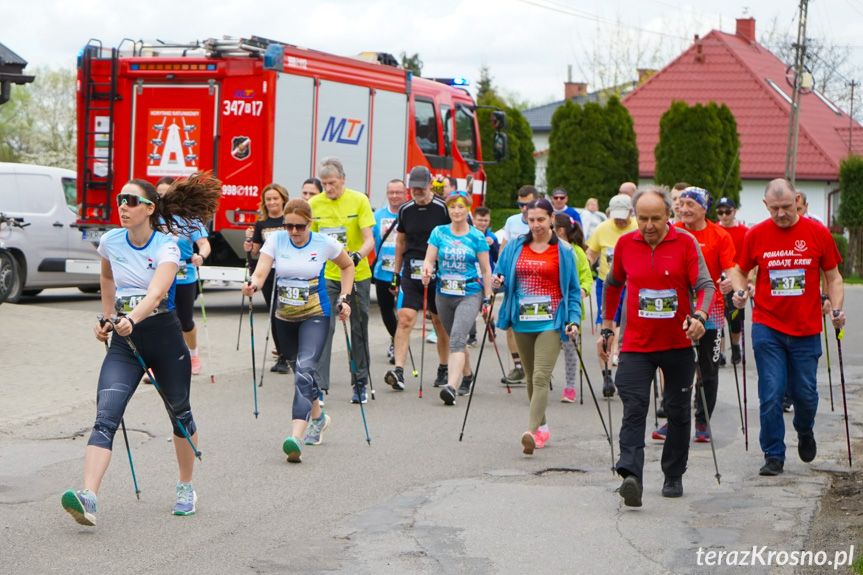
<point>255,111</point>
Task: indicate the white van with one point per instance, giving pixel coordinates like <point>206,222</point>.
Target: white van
<point>45,198</point>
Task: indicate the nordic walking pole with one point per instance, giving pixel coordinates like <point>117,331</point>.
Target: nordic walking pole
<point>743,362</point>
<point>499,360</point>
<point>840,333</point>
<point>364,329</point>
<point>736,381</point>
<point>206,329</point>
<point>699,383</point>
<point>413,365</point>
<point>171,413</point>
<point>423,340</point>
<point>827,348</point>
<point>605,334</point>
<point>102,322</point>
<point>478,361</point>
<point>270,326</point>
<point>354,383</point>
<point>580,374</point>
<point>252,334</point>
<point>242,304</point>
<point>596,403</point>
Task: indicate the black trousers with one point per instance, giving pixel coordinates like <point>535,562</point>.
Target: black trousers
<point>635,373</point>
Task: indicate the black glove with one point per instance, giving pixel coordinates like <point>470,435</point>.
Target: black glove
<point>396,281</point>
<point>357,258</point>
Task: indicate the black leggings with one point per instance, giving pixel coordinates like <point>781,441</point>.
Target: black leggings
<point>303,343</point>
<point>184,304</point>
<point>387,304</point>
<point>160,342</point>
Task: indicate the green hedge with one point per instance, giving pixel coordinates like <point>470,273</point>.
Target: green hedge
<point>842,245</point>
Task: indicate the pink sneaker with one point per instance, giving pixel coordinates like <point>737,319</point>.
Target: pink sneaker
<point>541,438</point>
<point>196,365</point>
<point>568,396</point>
<point>528,443</point>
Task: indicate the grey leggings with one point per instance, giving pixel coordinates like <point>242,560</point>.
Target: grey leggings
<point>458,315</point>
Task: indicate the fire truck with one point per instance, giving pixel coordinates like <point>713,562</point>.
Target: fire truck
<point>256,111</point>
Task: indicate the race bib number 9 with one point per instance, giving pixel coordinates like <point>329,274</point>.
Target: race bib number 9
<point>338,234</point>
<point>453,284</point>
<point>787,282</point>
<point>534,308</point>
<point>657,303</point>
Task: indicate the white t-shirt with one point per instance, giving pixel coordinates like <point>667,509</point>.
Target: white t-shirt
<point>133,267</point>
<point>515,227</point>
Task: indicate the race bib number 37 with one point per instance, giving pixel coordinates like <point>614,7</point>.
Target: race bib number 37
<point>787,282</point>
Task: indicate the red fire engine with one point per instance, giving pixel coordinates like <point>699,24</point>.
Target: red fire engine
<point>256,111</point>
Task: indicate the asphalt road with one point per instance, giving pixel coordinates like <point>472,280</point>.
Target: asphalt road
<point>416,500</point>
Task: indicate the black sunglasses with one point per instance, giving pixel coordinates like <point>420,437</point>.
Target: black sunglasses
<point>723,212</point>
<point>298,227</point>
<point>131,200</point>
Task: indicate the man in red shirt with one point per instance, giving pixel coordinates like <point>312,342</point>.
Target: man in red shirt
<point>726,209</point>
<point>660,265</point>
<point>790,252</point>
<point>718,251</point>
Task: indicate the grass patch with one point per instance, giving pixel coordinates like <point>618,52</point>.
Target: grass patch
<point>853,280</point>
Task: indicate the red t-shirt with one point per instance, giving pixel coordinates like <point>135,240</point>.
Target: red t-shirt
<point>538,274</point>
<point>737,234</point>
<point>658,286</point>
<point>789,260</point>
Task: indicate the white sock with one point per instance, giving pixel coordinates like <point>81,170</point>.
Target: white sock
<point>543,428</point>
<point>193,352</point>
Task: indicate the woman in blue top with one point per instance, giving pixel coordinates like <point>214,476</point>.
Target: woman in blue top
<point>302,311</point>
<point>139,267</point>
<point>462,254</point>
<point>187,277</point>
<point>542,304</point>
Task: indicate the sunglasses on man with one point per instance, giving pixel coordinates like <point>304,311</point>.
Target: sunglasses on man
<point>131,200</point>
<point>723,212</point>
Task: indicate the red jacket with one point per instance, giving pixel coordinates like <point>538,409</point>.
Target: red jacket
<point>660,282</point>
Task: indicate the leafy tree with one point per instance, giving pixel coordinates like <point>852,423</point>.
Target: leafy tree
<point>519,167</point>
<point>38,124</point>
<point>412,63</point>
<point>697,145</point>
<point>851,210</point>
<point>592,150</point>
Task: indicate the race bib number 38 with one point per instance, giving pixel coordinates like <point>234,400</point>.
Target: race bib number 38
<point>657,303</point>
<point>787,282</point>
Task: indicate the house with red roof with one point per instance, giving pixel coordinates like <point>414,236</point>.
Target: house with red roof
<point>734,69</point>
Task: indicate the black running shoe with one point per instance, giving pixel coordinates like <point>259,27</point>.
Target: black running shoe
<point>464,388</point>
<point>660,411</point>
<point>447,394</point>
<point>771,467</point>
<point>630,490</point>
<point>281,366</point>
<point>442,376</point>
<point>806,447</point>
<point>673,486</point>
<point>722,362</point>
<point>396,379</point>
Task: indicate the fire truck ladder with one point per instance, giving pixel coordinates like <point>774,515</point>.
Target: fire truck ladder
<point>99,98</point>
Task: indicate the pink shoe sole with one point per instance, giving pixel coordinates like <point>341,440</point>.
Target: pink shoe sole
<point>528,443</point>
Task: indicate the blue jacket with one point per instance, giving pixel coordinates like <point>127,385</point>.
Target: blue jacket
<point>569,310</point>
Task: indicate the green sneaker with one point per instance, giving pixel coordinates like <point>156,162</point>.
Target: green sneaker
<point>292,449</point>
<point>81,505</point>
<point>315,430</point>
<point>186,499</point>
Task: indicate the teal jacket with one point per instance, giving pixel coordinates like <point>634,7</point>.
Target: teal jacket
<point>569,310</point>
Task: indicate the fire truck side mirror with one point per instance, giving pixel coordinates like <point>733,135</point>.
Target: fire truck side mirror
<point>499,146</point>
<point>498,120</point>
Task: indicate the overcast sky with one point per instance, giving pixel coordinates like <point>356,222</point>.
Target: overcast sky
<point>527,44</point>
